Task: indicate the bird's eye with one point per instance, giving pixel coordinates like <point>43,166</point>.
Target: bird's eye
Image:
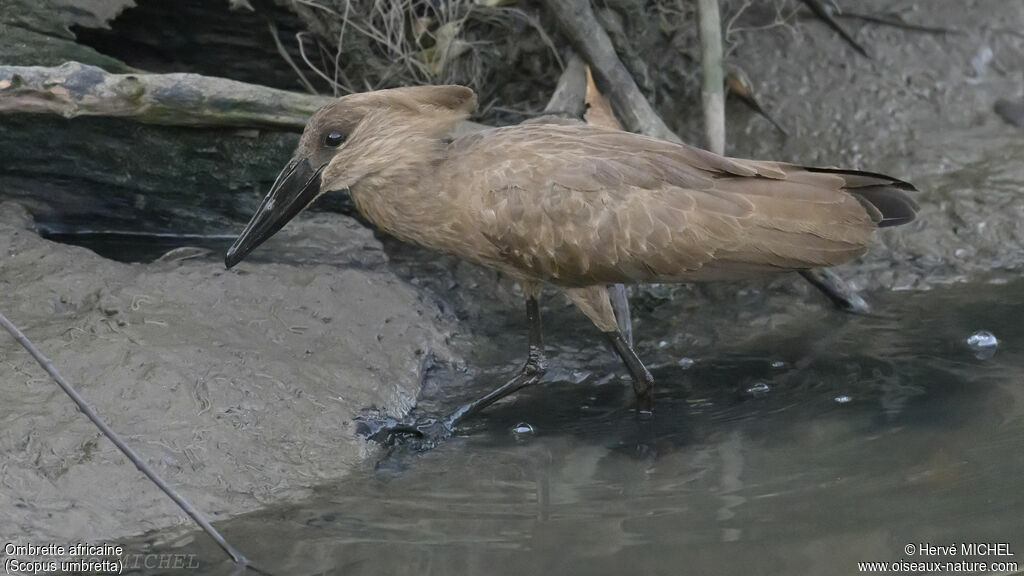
<point>334,139</point>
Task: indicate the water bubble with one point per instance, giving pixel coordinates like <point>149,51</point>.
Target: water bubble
<point>685,363</point>
<point>522,430</point>
<point>843,399</point>
<point>579,376</point>
<point>759,389</point>
<point>983,343</point>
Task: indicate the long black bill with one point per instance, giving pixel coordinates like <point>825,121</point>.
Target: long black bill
<point>296,186</point>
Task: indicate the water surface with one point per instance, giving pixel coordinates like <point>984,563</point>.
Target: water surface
<point>822,440</point>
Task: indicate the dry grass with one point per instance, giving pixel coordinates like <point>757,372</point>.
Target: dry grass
<point>507,52</point>
<point>783,15</point>
<point>373,44</point>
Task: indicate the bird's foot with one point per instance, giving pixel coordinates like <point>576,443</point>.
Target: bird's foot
<point>422,433</point>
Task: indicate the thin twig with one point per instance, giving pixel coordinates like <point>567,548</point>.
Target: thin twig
<point>125,449</point>
<point>287,58</point>
<point>732,31</point>
<point>825,16</point>
<point>344,82</point>
<point>896,22</point>
<point>315,5</point>
<point>320,73</point>
<point>532,21</point>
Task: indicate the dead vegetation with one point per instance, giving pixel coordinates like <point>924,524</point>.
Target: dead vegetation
<point>361,45</point>
<point>511,53</point>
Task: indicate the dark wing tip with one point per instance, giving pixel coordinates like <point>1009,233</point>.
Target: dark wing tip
<point>893,204</point>
<point>884,197</point>
<point>859,178</point>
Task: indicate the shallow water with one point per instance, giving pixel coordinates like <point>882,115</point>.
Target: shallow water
<point>831,440</point>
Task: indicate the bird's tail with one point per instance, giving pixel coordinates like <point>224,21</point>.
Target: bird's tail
<point>885,198</point>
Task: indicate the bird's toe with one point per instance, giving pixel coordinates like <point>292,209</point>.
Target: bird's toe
<point>422,433</point>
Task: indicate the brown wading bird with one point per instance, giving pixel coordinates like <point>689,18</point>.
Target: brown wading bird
<point>572,206</point>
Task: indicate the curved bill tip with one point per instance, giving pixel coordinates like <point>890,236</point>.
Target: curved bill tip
<point>296,187</point>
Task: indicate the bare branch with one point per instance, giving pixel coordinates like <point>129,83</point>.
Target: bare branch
<point>577,20</point>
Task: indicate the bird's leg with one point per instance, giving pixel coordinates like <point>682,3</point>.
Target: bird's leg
<point>432,430</point>
<point>535,367</point>
<point>595,304</point>
<point>837,290</point>
<point>620,304</point>
<point>643,382</point>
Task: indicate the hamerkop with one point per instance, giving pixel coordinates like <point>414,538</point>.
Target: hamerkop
<point>572,206</point>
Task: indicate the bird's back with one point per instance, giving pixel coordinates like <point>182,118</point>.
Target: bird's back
<point>577,205</point>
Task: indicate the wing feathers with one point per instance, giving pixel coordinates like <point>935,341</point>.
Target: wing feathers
<point>578,206</point>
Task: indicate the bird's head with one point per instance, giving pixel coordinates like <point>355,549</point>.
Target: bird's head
<point>357,137</point>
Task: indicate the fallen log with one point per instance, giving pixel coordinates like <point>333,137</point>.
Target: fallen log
<point>73,89</point>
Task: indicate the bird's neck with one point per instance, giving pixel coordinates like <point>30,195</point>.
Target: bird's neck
<point>404,197</point>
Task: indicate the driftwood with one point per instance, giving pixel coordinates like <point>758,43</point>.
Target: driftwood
<point>137,151</point>
<point>577,20</point>
<point>74,89</point>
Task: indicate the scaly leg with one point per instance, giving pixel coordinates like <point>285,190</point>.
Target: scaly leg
<point>535,367</point>
<point>643,382</point>
<point>837,290</point>
<point>620,304</point>
<point>433,430</point>
<point>595,304</point>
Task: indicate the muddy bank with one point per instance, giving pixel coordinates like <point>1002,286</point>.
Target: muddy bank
<point>239,387</point>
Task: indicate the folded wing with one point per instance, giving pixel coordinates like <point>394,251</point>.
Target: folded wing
<point>578,206</point>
